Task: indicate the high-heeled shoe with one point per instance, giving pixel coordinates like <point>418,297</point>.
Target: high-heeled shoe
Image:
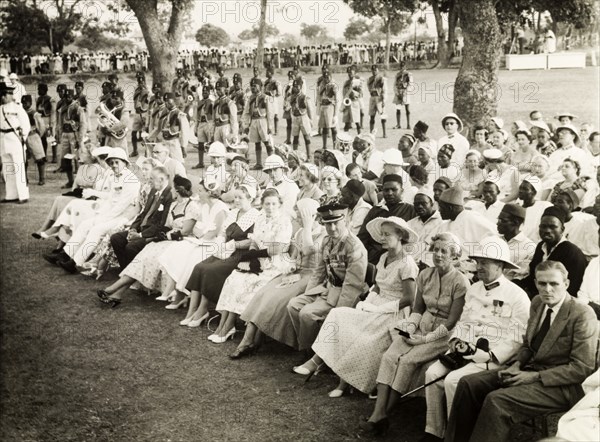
<point>198,322</point>
<point>185,321</point>
<point>112,302</point>
<point>102,294</point>
<point>223,339</point>
<point>303,370</point>
<point>246,350</point>
<point>182,303</point>
<point>379,428</point>
<point>163,297</point>
<point>213,336</point>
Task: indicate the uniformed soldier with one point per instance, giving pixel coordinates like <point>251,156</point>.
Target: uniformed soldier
<point>46,107</point>
<point>352,105</point>
<point>116,135</point>
<point>377,87</point>
<point>204,124</point>
<point>34,143</point>
<point>298,76</point>
<point>404,81</point>
<point>301,112</point>
<point>338,280</point>
<point>258,119</point>
<point>222,77</point>
<point>140,105</point>
<point>74,130</point>
<point>14,129</point>
<point>114,79</point>
<point>174,128</point>
<point>81,98</point>
<point>236,93</point>
<point>273,90</point>
<point>320,79</point>
<point>156,108</point>
<point>107,88</point>
<point>287,114</point>
<point>224,115</point>
<point>60,110</point>
<point>328,101</point>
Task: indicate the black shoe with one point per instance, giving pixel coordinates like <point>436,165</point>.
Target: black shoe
<point>430,438</point>
<point>198,166</point>
<point>134,154</point>
<point>5,201</point>
<point>22,201</point>
<point>56,257</point>
<point>68,185</point>
<point>247,350</point>
<point>36,235</point>
<point>113,302</point>
<point>379,428</point>
<point>68,266</point>
<point>257,167</point>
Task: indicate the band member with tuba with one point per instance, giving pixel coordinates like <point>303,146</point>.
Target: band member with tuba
<point>224,115</point>
<point>328,99</point>
<point>377,89</point>
<point>301,113</point>
<point>404,81</point>
<point>33,141</point>
<point>74,130</point>
<point>46,107</point>
<point>174,128</point>
<point>204,124</point>
<point>140,105</point>
<point>114,121</point>
<point>273,90</point>
<point>287,107</point>
<point>352,107</point>
<point>60,109</point>
<point>258,120</point>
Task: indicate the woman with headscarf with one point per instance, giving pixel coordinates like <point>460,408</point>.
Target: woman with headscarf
<point>446,167</point>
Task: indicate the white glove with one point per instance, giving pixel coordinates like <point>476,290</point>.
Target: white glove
<point>440,332</point>
<point>479,357</point>
<point>88,193</point>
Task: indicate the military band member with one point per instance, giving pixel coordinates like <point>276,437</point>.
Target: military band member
<point>116,135</point>
<point>287,114</point>
<point>273,90</point>
<point>46,106</point>
<point>174,128</point>
<point>320,79</point>
<point>60,109</point>
<point>404,81</point>
<point>222,77</point>
<point>204,124</point>
<point>298,76</point>
<point>224,115</point>
<point>236,93</point>
<point>156,109</point>
<point>301,112</point>
<point>34,140</point>
<point>328,100</point>
<point>352,105</point>
<point>258,119</point>
<point>140,106</point>
<point>107,88</point>
<point>177,84</point>
<point>74,130</point>
<point>114,79</point>
<point>14,128</point>
<point>377,87</point>
<point>337,281</point>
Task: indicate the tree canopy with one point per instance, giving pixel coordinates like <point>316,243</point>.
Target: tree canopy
<point>314,33</point>
<point>211,36</point>
<point>248,34</point>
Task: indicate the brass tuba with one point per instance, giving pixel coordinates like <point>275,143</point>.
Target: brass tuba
<point>107,120</point>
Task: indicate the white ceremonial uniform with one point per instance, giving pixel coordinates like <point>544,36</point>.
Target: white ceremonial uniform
<point>582,231</point>
<point>470,228</point>
<point>12,150</point>
<point>521,251</point>
<point>88,234</point>
<point>461,147</point>
<point>503,326</point>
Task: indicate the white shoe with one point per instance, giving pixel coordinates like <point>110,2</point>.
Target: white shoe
<point>198,322</point>
<point>336,393</point>
<point>213,336</point>
<point>162,298</point>
<point>175,306</point>
<point>185,321</point>
<point>223,339</point>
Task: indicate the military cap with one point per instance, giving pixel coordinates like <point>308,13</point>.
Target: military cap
<point>221,82</point>
<point>79,83</point>
<point>256,81</point>
<point>333,212</point>
<point>168,95</point>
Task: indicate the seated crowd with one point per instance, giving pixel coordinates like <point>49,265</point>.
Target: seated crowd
<point>472,268</point>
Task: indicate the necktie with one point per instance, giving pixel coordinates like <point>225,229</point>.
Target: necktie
<point>153,208</point>
<point>537,340</point>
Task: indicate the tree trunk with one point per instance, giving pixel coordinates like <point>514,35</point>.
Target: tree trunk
<point>260,51</point>
<point>476,91</point>
<point>452,22</point>
<point>442,51</point>
<point>388,42</point>
<point>162,46</point>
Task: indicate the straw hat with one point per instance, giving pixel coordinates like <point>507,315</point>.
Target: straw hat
<point>374,229</point>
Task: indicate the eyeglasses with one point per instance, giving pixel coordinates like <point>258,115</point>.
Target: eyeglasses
<point>156,152</point>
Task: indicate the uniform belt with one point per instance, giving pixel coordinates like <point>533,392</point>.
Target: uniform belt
<point>67,128</point>
<point>326,103</point>
<point>6,131</point>
<point>221,123</point>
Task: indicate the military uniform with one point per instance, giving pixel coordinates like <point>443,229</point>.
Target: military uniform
<point>328,101</point>
<point>239,98</point>
<point>273,90</point>
<point>353,91</point>
<point>377,89</point>
<point>404,81</point>
<point>258,115</point>
<point>338,281</point>
<point>204,120</point>
<point>74,129</point>
<point>46,107</point>
<point>14,129</point>
<point>225,118</point>
<point>59,115</point>
<point>140,105</point>
<point>175,132</point>
<point>112,139</point>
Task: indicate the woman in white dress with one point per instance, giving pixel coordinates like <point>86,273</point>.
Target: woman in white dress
<point>353,340</point>
<point>179,260</point>
<point>439,301</point>
<point>266,259</point>
<point>182,221</point>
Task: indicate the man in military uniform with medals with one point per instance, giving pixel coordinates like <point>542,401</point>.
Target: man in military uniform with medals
<point>204,124</point>
<point>377,89</point>
<point>258,119</point>
<point>337,281</point>
<point>403,82</point>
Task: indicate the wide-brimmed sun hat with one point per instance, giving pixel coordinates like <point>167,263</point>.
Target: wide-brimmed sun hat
<point>494,247</point>
<point>374,229</point>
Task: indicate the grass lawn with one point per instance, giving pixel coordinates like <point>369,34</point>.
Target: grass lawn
<point>72,369</point>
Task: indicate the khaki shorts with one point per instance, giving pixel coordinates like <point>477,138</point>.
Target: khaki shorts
<point>258,131</point>
<point>301,124</point>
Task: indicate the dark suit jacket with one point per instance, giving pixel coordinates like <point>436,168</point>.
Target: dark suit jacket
<point>567,354</point>
<point>157,219</point>
<point>567,253</point>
